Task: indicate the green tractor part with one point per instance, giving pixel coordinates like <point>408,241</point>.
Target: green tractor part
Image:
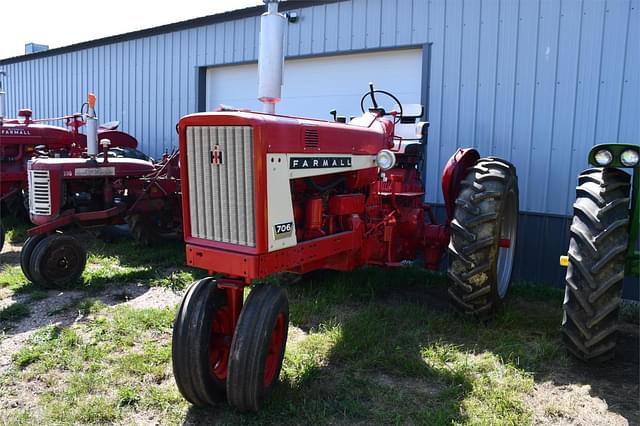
<point>602,250</point>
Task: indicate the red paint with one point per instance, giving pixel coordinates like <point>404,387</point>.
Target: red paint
<point>504,243</point>
<point>274,352</point>
<point>453,173</point>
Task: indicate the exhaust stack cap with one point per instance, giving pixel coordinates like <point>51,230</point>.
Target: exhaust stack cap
<point>271,56</point>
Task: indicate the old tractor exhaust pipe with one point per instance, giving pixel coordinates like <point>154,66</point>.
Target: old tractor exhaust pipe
<point>271,56</point>
<point>92,127</point>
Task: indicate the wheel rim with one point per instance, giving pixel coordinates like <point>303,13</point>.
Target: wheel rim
<point>508,227</point>
<point>220,342</point>
<point>275,351</point>
<point>61,262</point>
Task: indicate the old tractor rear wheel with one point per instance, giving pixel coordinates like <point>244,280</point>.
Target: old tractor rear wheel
<point>1,236</point>
<point>57,261</point>
<point>258,347</point>
<point>202,335</point>
<point>483,237</point>
<point>27,252</point>
<point>599,239</point>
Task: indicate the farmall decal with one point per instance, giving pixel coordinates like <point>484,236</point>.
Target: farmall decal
<point>15,132</point>
<point>319,162</point>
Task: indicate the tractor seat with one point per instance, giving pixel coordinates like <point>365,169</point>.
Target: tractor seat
<point>411,113</point>
<point>111,125</point>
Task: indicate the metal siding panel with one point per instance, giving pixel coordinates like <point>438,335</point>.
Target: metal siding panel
<point>359,24</point>
<point>470,52</point>
<point>292,34</point>
<point>629,127</point>
<point>251,25</point>
<point>388,23</point>
<point>450,82</point>
<point>420,31</point>
<point>373,24</point>
<point>436,19</point>
<point>345,25</point>
<point>505,80</point>
<point>525,93</point>
<point>318,32</point>
<point>332,27</point>
<point>229,38</point>
<point>238,40</point>
<point>306,31</point>
<point>404,15</point>
<point>563,154</point>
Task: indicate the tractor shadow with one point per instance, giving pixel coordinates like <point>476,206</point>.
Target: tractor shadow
<point>392,351</point>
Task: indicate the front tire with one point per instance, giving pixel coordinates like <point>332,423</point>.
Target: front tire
<point>258,347</point>
<point>599,240</point>
<point>57,261</point>
<point>483,237</point>
<point>202,335</point>
<point>27,252</point>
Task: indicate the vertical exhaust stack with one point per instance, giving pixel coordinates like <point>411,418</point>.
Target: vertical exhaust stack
<point>271,56</point>
<point>92,127</point>
<point>3,99</point>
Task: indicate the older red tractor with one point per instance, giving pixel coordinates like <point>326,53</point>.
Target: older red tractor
<point>266,193</point>
<point>24,138</point>
<point>89,192</point>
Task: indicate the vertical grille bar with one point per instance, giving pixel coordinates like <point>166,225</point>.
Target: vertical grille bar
<point>221,186</point>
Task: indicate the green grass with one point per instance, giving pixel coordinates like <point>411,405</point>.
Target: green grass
<point>14,312</point>
<point>370,346</point>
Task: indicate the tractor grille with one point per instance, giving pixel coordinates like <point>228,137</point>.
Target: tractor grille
<point>220,167</point>
<point>39,192</point>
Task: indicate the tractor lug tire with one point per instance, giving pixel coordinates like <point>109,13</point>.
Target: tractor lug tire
<point>1,236</point>
<point>27,252</point>
<point>597,248</point>
<point>258,347</point>
<point>192,343</point>
<point>57,262</point>
<point>486,211</point>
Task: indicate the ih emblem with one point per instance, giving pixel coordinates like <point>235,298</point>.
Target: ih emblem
<point>216,156</point>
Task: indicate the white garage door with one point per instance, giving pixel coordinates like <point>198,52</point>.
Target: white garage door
<point>313,86</point>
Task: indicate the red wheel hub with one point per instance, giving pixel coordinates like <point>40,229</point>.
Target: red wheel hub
<point>275,350</point>
<point>220,342</point>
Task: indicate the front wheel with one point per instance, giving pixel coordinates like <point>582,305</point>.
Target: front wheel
<point>599,240</point>
<point>57,261</point>
<point>258,347</point>
<point>483,237</point>
<point>202,335</point>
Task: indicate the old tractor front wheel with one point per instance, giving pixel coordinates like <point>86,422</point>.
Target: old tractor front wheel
<point>258,347</point>
<point>26,252</point>
<point>57,261</point>
<point>202,335</point>
<point>483,237</point>
<point>599,239</point>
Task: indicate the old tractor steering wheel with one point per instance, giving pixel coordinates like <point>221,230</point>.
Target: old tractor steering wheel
<point>372,93</point>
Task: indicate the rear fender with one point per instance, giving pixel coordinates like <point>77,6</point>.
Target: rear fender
<point>453,173</point>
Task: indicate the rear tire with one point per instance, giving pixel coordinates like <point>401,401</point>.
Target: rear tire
<point>486,212</point>
<point>258,347</point>
<point>27,252</point>
<point>202,335</point>
<point>1,236</point>
<point>57,261</point>
<point>599,240</point>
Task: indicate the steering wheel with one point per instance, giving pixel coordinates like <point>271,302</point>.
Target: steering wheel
<point>372,93</point>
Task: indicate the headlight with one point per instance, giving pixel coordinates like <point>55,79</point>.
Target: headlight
<point>603,157</point>
<point>385,159</point>
<point>629,157</point>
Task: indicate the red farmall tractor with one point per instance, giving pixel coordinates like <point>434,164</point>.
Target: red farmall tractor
<point>24,138</point>
<point>92,191</point>
<point>266,193</point>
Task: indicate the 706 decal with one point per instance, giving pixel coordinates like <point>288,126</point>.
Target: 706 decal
<point>282,230</point>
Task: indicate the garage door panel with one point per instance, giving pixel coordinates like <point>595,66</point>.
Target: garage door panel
<point>313,86</point>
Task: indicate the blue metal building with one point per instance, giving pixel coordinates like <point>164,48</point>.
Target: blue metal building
<point>537,82</point>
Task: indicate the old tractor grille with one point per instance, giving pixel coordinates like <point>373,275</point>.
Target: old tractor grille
<point>39,192</point>
<point>220,167</point>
